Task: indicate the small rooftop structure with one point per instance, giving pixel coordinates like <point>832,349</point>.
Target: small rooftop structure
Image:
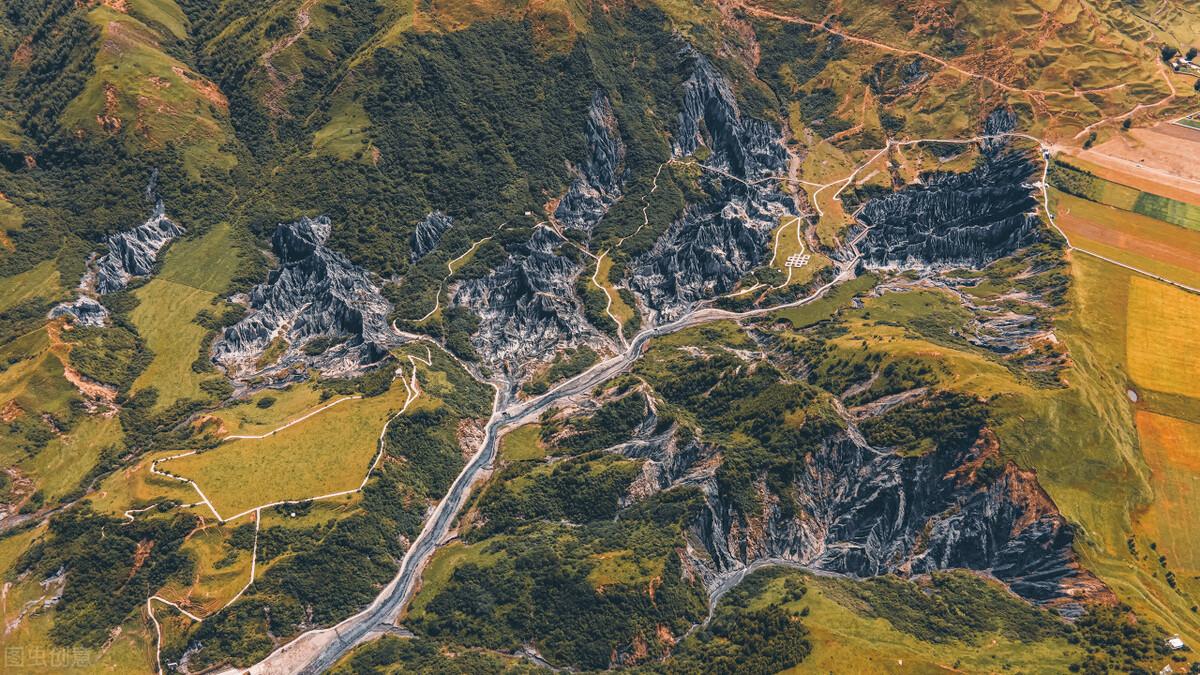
<point>1175,643</point>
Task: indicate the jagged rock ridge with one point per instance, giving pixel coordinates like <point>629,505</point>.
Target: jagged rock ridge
<point>716,243</point>
<point>527,306</point>
<point>863,511</point>
<point>315,292</point>
<point>428,234</point>
<point>83,311</point>
<point>133,253</point>
<point>598,180</point>
<point>955,219</point>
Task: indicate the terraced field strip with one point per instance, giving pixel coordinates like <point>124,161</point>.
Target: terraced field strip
<point>1164,249</point>
<point>1159,160</point>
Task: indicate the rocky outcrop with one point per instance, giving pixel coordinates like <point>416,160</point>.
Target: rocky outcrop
<point>715,243</point>
<point>133,253</point>
<point>709,116</point>
<point>1001,121</point>
<point>598,180</point>
<point>527,306</point>
<point>863,511</point>
<point>428,234</point>
<point>955,219</point>
<point>314,294</point>
<point>84,311</point>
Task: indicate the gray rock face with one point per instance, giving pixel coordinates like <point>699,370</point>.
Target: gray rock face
<point>717,242</point>
<point>130,254</point>
<point>428,234</point>
<point>314,293</point>
<point>527,306</point>
<point>133,253</point>
<point>598,181</point>
<point>862,511</point>
<point>1000,121</point>
<point>745,147</point>
<point>84,311</point>
<point>955,219</point>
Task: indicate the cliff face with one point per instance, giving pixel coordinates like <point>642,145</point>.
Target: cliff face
<point>718,241</point>
<point>133,253</point>
<point>864,511</point>
<point>129,254</point>
<point>428,234</point>
<point>83,311</point>
<point>314,293</point>
<point>598,180</point>
<point>955,220</point>
<point>527,306</point>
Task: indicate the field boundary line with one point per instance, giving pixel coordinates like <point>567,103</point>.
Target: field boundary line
<point>253,437</point>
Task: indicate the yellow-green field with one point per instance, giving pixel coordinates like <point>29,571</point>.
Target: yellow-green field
<point>522,443</point>
<point>1162,337</point>
<point>843,641</point>
<point>437,572</point>
<point>193,273</point>
<point>623,566</point>
<point>36,385</point>
<point>248,419</point>
<point>1172,449</point>
<point>619,309</point>
<point>137,85</point>
<point>164,12</point>
<point>788,240</point>
<point>40,280</point>
<point>326,453</point>
<point>135,487</point>
<point>345,135</point>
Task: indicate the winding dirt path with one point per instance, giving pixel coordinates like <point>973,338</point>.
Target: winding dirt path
<point>883,46</point>
<point>280,84</point>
